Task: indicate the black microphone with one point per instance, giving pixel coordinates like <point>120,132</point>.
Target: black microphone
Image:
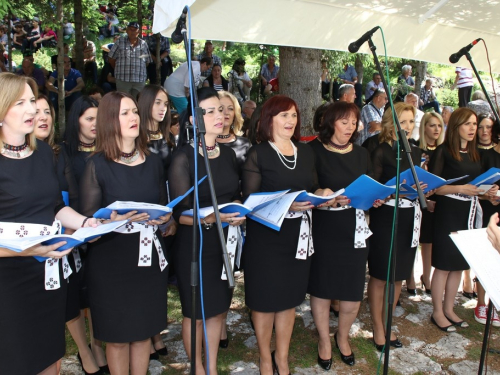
<point>177,36</point>
<point>456,56</point>
<point>354,46</point>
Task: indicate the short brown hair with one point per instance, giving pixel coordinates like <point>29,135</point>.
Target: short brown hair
<point>109,130</point>
<point>271,108</point>
<point>335,112</point>
<point>452,137</point>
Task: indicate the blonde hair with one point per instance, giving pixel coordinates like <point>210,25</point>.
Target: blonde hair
<point>386,134</point>
<point>12,90</point>
<point>238,119</point>
<point>423,122</point>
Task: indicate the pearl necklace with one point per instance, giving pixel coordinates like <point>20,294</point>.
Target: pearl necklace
<point>283,158</point>
<point>17,152</point>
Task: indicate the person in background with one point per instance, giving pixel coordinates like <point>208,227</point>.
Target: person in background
<point>28,70</point>
<point>73,85</point>
<point>96,93</point>
<point>216,80</point>
<point>349,76</point>
<point>248,108</point>
<point>269,71</point>
<point>89,59</point>
<point>165,61</point>
<point>33,34</point>
<point>446,113</point>
<point>464,83</point>
<point>428,98</point>
<point>208,52</point>
<point>406,83</point>
<point>372,86</point>
<point>19,37</point>
<point>48,39</point>
<point>479,104</point>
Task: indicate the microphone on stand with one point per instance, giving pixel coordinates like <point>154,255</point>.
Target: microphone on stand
<point>177,36</point>
<point>456,56</point>
<point>354,46</point>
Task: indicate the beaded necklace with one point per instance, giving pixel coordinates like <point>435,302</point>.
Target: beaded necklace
<point>15,151</point>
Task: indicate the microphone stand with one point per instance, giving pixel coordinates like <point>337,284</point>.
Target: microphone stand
<point>403,147</point>
<point>490,305</point>
<point>199,127</point>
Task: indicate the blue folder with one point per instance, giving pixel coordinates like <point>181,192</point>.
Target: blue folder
<point>365,190</point>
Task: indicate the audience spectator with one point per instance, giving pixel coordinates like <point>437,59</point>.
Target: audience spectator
<point>4,39</point>
<point>216,80</point>
<point>347,93</point>
<point>326,79</point>
<point>165,60</point>
<point>479,104</point>
<point>372,86</point>
<point>371,116</point>
<point>248,108</point>
<point>68,29</point>
<point>428,97</point>
<point>446,113</point>
<point>107,79</point>
<point>177,85</point>
<point>464,82</point>
<point>240,83</point>
<point>48,39</point>
<point>406,82</point>
<point>111,26</point>
<point>89,59</point>
<point>130,56</point>
<point>96,93</point>
<point>73,85</point>
<point>19,37</point>
<point>269,71</point>
<point>53,59</point>
<point>412,99</point>
<point>349,76</point>
<point>33,35</point>
<point>208,52</point>
<point>28,69</point>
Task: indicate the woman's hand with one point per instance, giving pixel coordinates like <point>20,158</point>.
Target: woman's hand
<point>469,189</point>
<point>46,251</point>
<point>324,193</point>
<point>91,222</point>
<point>231,219</point>
<point>492,193</point>
<point>431,205</point>
<point>161,220</point>
<point>131,216</point>
<point>378,202</point>
<point>301,206</point>
<point>340,201</point>
<point>429,193</point>
<point>494,232</point>
<point>171,229</point>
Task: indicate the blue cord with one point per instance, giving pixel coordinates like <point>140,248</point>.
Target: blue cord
<point>195,148</point>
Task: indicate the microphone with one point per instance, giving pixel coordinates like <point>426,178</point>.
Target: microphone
<point>177,36</point>
<point>456,56</point>
<point>354,46</point>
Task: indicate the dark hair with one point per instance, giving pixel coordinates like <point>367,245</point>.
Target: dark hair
<point>253,125</point>
<point>495,130</point>
<point>72,133</point>
<point>335,112</point>
<point>203,94</point>
<point>145,104</point>
<point>318,115</point>
<point>51,138</point>
<point>271,108</point>
<point>96,90</point>
<point>207,60</point>
<point>452,137</point>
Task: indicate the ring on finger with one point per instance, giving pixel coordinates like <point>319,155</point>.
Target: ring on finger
<point>230,221</point>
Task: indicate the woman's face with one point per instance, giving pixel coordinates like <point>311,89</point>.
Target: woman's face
<point>213,116</point>
<point>87,125</point>
<point>129,119</point>
<point>407,122</point>
<point>43,120</point>
<point>20,118</point>
<point>216,72</point>
<point>433,129</point>
<point>160,106</point>
<point>484,130</point>
<point>284,124</point>
<point>468,129</point>
<point>343,129</point>
<point>228,110</point>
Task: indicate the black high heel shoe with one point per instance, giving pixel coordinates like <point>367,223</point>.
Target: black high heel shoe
<point>428,291</point>
<point>347,359</point>
<point>98,372</point>
<point>105,368</point>
<point>325,364</point>
<point>223,344</point>
<point>411,292</point>
<point>275,366</point>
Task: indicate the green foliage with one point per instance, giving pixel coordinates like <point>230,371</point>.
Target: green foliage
<point>448,97</point>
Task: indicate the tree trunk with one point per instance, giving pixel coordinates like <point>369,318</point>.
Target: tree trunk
<point>420,73</point>
<point>359,67</point>
<point>299,78</point>
<point>78,46</point>
<point>9,41</point>
<point>158,60</point>
<point>60,68</point>
<point>139,16</point>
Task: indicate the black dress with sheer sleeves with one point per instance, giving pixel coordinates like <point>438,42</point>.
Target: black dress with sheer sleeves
<point>240,146</point>
<point>427,225</point>
<point>451,214</point>
<point>217,294</point>
<point>338,268</point>
<point>275,280</point>
<point>32,319</point>
<point>381,218</point>
<point>128,296</point>
<point>489,159</point>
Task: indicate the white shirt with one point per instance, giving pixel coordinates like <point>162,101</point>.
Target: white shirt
<point>179,79</point>
<point>415,134</point>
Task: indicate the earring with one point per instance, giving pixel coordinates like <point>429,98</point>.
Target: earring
<point>1,123</point>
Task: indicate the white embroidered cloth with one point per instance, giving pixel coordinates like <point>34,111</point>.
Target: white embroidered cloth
<point>305,246</point>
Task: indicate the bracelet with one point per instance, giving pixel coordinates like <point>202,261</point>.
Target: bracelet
<point>84,221</point>
<point>207,225</point>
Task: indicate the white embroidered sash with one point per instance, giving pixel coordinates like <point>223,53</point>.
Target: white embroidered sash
<point>77,258</point>
<point>146,239</point>
<point>417,216</point>
<point>234,244</point>
<point>18,230</point>
<point>362,231</point>
<point>305,246</point>
<point>475,212</point>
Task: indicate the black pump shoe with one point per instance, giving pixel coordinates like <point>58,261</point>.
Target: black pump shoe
<point>104,369</point>
<point>224,343</point>
<point>347,359</point>
<point>275,366</point>
<point>428,291</point>
<point>98,372</point>
<point>325,364</point>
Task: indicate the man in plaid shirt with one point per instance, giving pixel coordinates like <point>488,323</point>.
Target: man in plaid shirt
<point>208,52</point>
<point>371,116</point>
<point>130,56</point>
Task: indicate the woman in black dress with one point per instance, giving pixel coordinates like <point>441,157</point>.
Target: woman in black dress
<point>224,167</point>
<point>431,136</point>
<point>339,263</point>
<point>126,270</point>
<point>276,269</point>
<point>233,122</point>
<point>154,109</point>
<point>33,293</point>
<point>384,166</point>
<point>486,139</point>
<point>456,206</point>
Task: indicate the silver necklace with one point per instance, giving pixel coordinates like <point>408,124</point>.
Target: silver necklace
<point>212,151</point>
<point>16,152</point>
<point>129,158</point>
<point>283,158</point>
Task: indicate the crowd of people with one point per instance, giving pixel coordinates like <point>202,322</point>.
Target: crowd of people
<point>126,143</point>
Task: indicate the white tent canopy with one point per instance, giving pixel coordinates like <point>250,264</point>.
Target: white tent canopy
<point>415,29</point>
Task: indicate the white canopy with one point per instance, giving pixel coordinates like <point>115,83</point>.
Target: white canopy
<point>415,29</point>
